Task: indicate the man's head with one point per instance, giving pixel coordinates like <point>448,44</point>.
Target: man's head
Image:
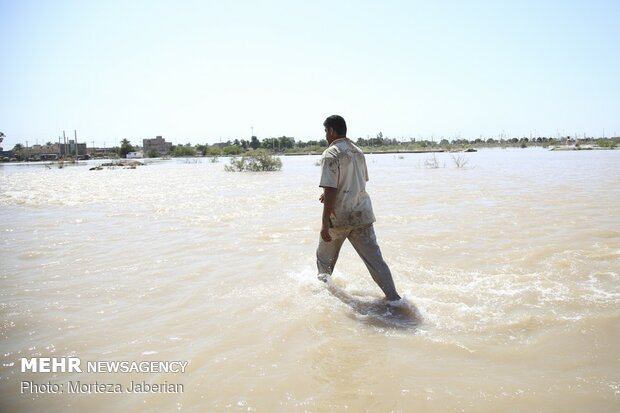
<point>335,127</point>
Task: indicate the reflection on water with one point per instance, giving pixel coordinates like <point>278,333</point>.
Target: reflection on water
<point>509,269</point>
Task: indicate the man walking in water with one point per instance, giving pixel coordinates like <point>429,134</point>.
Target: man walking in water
<point>347,210</point>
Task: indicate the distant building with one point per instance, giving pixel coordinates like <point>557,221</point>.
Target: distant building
<point>98,152</point>
<point>73,148</point>
<point>158,145</point>
<point>35,150</point>
<point>56,150</point>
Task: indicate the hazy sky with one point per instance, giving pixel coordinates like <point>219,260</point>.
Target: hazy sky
<point>201,71</point>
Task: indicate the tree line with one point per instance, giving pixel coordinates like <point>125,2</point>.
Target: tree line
<point>285,144</point>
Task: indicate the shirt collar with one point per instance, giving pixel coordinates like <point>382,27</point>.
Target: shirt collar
<point>337,140</point>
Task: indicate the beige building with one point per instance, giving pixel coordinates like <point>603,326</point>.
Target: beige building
<point>57,149</point>
<point>35,150</point>
<point>158,145</point>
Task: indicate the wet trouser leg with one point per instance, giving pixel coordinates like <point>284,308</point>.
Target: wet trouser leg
<point>364,241</point>
<point>327,252</point>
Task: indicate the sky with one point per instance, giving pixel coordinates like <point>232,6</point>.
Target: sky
<point>209,71</point>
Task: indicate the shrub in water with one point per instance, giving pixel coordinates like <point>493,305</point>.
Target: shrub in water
<point>256,161</point>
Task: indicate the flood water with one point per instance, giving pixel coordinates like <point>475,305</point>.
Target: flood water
<point>510,268</point>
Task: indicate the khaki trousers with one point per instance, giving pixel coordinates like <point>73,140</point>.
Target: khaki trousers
<point>364,241</point>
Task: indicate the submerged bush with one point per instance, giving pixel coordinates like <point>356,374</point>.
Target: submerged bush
<point>256,161</point>
<point>432,163</point>
<point>460,161</point>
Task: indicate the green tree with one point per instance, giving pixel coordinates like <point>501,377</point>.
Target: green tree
<point>232,150</point>
<point>184,150</point>
<point>378,141</point>
<point>202,149</point>
<point>606,143</point>
<point>254,143</point>
<point>270,143</point>
<point>278,144</point>
<point>153,153</point>
<point>126,147</point>
<point>285,142</point>
<point>19,152</point>
<point>213,151</point>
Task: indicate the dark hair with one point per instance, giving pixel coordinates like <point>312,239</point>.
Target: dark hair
<point>337,123</point>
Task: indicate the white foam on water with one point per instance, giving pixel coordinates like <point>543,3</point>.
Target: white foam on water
<point>362,306</point>
<point>460,307</point>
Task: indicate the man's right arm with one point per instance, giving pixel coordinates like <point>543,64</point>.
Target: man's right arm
<point>329,183</point>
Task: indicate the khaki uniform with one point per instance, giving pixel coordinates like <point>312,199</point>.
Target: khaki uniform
<point>343,167</point>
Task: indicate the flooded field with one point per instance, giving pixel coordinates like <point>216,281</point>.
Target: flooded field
<point>510,266</point>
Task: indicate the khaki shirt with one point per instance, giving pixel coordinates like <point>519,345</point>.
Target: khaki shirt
<point>343,167</point>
